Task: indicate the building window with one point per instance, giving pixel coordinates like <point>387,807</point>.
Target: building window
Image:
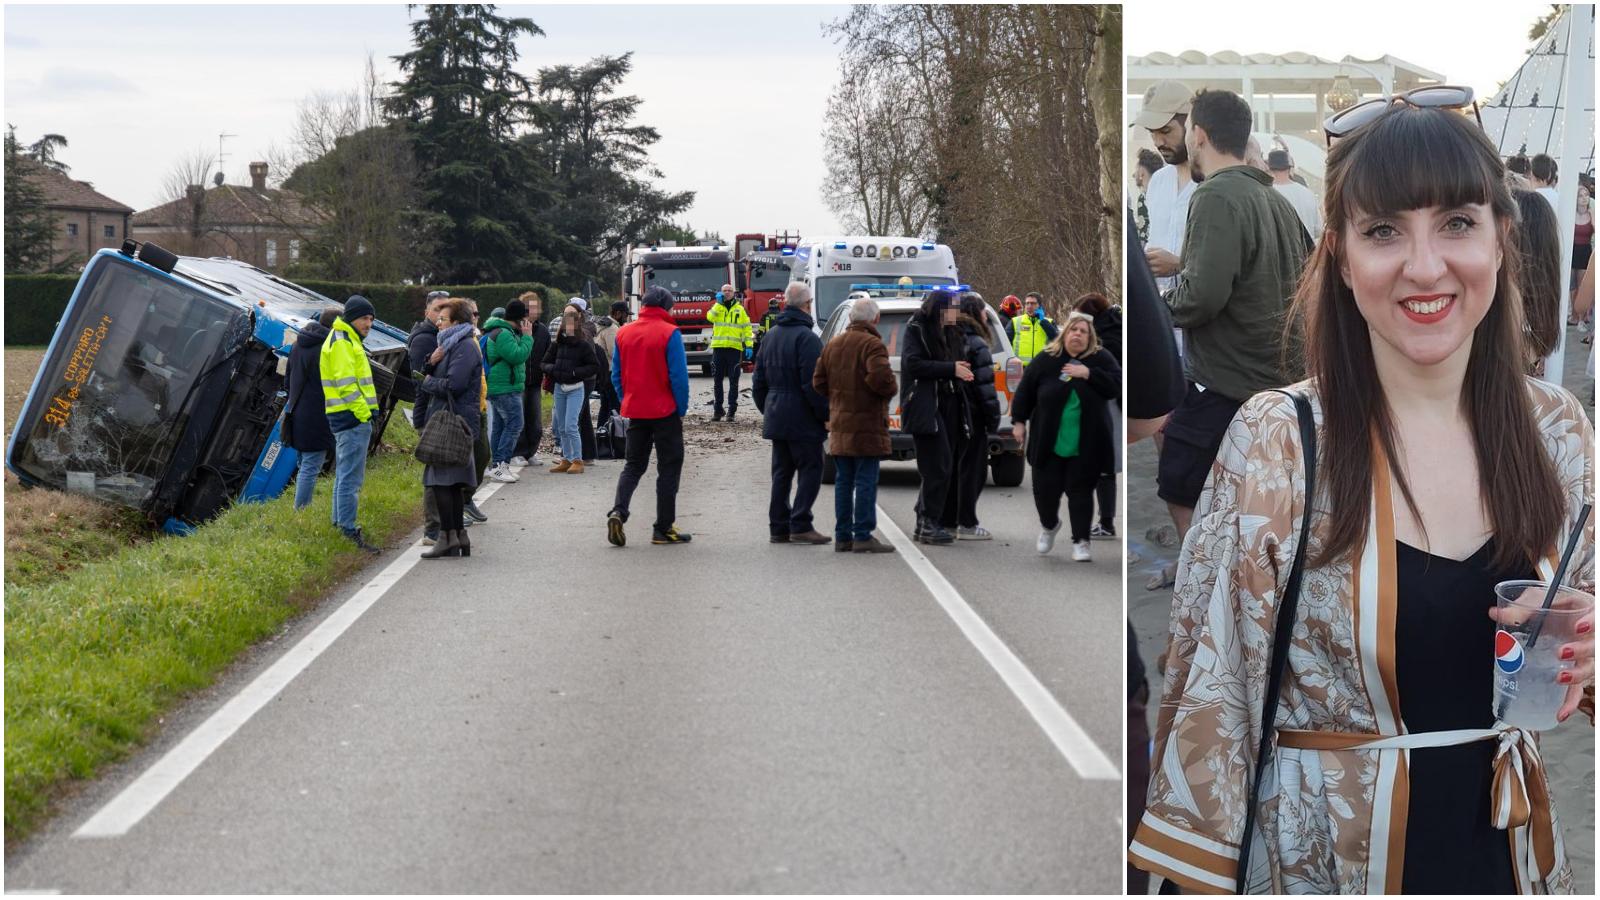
<point>294,251</point>
<point>111,231</point>
<point>272,253</point>
<point>72,229</point>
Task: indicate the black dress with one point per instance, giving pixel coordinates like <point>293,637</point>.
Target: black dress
<point>1444,645</point>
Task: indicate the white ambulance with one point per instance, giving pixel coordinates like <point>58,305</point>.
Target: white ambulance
<point>830,265</point>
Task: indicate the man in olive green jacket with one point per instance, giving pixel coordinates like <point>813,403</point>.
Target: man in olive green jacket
<point>1243,250</point>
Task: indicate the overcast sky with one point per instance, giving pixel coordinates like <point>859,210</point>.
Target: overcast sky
<point>1480,48</point>
<point>737,92</point>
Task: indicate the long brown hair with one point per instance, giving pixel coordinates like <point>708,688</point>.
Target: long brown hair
<point>1414,159</point>
<point>1541,282</point>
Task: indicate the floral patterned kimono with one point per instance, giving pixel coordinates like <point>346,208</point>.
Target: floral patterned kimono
<point>1333,800</point>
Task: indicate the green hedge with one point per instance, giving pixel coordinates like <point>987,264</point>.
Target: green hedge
<point>34,303</point>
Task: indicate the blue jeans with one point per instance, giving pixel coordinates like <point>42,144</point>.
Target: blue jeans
<point>305,479</point>
<point>855,497</point>
<point>507,409</point>
<point>349,471</point>
<point>565,423</point>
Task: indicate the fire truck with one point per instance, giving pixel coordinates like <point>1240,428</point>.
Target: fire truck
<point>693,275</point>
<point>764,264</point>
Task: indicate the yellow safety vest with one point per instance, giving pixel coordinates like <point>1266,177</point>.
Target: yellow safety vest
<point>1030,338</point>
<point>346,374</point>
<point>730,327</point>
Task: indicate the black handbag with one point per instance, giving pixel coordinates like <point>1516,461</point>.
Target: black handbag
<point>445,440</point>
<point>1281,634</point>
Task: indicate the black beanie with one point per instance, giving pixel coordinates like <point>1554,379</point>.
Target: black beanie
<point>358,306</point>
<point>516,311</point>
<point>657,296</point>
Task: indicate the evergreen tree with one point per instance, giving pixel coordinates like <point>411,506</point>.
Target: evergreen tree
<point>43,151</point>
<point>598,161</point>
<point>30,228</point>
<point>462,104</point>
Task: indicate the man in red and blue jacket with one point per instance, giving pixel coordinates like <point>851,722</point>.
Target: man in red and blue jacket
<point>651,375</point>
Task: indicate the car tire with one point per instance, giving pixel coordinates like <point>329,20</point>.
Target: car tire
<point>1008,469</point>
<point>828,471</point>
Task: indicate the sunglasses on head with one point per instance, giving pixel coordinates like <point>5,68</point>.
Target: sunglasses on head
<point>1435,96</point>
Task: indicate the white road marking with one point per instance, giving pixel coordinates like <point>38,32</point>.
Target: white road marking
<point>136,800</point>
<point>1080,750</point>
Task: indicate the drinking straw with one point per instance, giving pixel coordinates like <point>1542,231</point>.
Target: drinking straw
<point>1560,576</point>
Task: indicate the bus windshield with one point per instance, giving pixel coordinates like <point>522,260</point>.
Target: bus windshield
<point>109,406</point>
<point>706,280</point>
<point>833,289</point>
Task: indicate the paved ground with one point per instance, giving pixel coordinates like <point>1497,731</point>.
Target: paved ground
<point>556,715</point>
<point>1568,751</point>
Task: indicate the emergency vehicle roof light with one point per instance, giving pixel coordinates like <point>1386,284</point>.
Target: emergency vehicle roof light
<point>839,246</point>
<point>787,251</point>
<point>927,246</point>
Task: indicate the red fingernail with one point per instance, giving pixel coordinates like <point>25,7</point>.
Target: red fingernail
<point>1564,678</point>
<point>1583,627</point>
<point>1567,653</point>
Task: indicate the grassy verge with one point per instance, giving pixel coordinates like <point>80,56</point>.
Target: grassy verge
<point>95,656</point>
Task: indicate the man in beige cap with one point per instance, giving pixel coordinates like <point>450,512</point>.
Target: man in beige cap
<point>1165,115</point>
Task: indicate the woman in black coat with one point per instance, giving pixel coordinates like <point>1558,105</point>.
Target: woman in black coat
<point>1066,392</point>
<point>971,453</point>
<point>933,407</point>
<point>305,423</point>
<point>454,379</point>
<point>572,362</point>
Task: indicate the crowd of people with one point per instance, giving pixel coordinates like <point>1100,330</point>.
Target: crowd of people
<point>1407,312</point>
<point>492,373</point>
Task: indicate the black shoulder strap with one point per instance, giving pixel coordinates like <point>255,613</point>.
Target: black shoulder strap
<point>1284,628</point>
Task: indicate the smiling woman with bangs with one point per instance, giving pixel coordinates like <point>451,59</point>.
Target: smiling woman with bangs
<point>1441,470</point>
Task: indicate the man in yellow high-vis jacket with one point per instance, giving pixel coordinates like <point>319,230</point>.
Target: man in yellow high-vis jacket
<point>350,400</point>
<point>1032,331</point>
<point>732,342</point>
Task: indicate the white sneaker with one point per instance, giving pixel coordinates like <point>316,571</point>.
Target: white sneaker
<point>975,533</point>
<point>502,473</point>
<point>518,462</point>
<point>1080,551</point>
<point>535,460</point>
<point>1047,538</point>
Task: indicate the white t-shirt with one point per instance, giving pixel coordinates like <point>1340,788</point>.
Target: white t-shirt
<point>1168,205</point>
<point>1548,192</point>
<point>1305,202</point>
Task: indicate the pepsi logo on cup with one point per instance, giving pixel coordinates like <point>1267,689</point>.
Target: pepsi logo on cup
<point>1508,654</point>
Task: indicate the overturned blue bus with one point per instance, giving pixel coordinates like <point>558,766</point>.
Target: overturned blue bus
<point>163,386</point>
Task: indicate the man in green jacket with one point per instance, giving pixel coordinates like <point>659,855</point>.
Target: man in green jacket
<point>1243,250</point>
<point>507,343</point>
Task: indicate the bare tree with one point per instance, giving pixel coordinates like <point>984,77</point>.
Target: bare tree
<point>1001,116</point>
<point>184,187</point>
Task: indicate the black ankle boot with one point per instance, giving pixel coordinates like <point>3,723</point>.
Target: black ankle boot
<point>446,545</point>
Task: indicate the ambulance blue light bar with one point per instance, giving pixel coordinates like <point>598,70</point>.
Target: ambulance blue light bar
<point>911,287</point>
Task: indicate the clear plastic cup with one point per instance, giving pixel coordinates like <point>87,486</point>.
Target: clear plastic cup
<point>1527,650</point>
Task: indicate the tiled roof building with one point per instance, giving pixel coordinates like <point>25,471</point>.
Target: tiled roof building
<point>263,226</point>
<point>86,220</point>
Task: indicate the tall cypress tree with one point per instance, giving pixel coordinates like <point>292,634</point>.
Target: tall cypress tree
<point>30,227</point>
<point>462,104</point>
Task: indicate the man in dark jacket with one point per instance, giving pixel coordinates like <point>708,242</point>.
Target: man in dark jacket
<point>854,374</point>
<point>795,418</point>
<point>305,427</point>
<point>527,449</point>
<point>651,375</point>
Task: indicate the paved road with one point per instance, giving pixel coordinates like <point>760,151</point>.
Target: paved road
<point>556,715</point>
<point>1568,751</point>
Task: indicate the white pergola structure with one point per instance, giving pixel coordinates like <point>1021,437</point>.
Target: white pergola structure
<point>1287,92</point>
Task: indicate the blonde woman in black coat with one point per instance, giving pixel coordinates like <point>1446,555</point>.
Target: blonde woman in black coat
<point>1066,394</point>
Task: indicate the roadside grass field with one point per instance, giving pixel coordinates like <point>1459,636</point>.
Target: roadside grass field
<point>110,624</point>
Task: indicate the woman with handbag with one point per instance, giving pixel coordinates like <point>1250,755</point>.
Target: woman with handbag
<point>1067,392</point>
<point>570,363</point>
<point>1326,723</point>
<point>454,379</point>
